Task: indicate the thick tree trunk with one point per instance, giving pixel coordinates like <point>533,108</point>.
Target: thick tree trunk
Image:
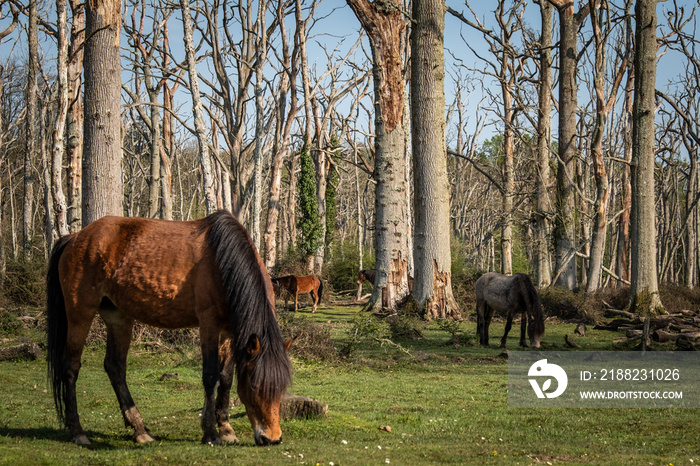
<point>384,24</point>
<point>102,174</point>
<point>432,284</point>
<point>644,293</point>
<point>564,225</point>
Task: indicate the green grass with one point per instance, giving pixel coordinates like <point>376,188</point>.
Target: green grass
<point>444,404</point>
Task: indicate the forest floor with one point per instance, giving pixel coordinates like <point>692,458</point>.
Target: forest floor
<point>444,399</point>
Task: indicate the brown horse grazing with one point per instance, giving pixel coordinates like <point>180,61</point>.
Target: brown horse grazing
<point>295,285</point>
<point>371,274</point>
<point>510,295</point>
<point>205,273</point>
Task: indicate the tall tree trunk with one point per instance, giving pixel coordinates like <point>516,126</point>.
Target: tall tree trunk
<point>58,137</point>
<point>74,130</point>
<point>508,172</point>
<point>623,244</point>
<point>260,59</point>
<point>285,119</point>
<point>644,293</point>
<point>31,132</point>
<point>601,176</point>
<point>432,284</point>
<point>543,272</point>
<point>564,226</point>
<point>102,170</point>
<point>197,108</point>
<point>384,24</point>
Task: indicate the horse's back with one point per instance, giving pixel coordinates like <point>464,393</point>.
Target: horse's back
<point>154,271</point>
<point>494,288</point>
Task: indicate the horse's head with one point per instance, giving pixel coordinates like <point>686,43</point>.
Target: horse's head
<point>262,406</point>
<point>275,284</point>
<point>361,277</point>
<point>535,330</point>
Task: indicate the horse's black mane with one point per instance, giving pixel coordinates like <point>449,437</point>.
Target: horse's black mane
<point>251,312</point>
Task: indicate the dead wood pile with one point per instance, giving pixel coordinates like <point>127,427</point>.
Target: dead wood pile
<point>683,328</point>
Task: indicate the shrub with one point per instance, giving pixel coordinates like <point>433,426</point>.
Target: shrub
<point>10,325</point>
<point>25,283</point>
<point>365,329</point>
<point>312,341</point>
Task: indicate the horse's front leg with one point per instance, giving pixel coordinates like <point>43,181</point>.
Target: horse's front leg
<point>209,339</point>
<point>223,396</point>
<point>523,327</point>
<point>118,342</point>
<point>480,321</point>
<point>509,324</point>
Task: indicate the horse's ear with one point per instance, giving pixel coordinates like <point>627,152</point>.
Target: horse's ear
<point>253,346</point>
<point>288,343</point>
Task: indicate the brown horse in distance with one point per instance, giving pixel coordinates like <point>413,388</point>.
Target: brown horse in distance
<point>205,273</point>
<point>295,285</point>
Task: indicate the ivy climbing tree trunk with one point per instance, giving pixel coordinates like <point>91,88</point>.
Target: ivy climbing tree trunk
<point>384,23</point>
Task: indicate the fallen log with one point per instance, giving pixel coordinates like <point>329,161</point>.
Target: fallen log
<point>28,351</point>
<point>662,336</point>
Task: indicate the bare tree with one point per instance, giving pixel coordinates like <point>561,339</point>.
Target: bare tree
<point>384,24</point>
<point>58,137</point>
<point>564,225</point>
<point>603,107</point>
<point>644,293</point>
<point>75,119</point>
<point>200,129</point>
<point>31,131</point>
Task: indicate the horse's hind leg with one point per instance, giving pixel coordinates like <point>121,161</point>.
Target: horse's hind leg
<point>509,324</point>
<point>118,341</point>
<point>223,396</point>
<point>77,334</point>
<point>314,297</point>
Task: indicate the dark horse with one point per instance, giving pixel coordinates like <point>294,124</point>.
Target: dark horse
<point>205,273</point>
<point>370,275</point>
<point>509,295</point>
<point>294,285</point>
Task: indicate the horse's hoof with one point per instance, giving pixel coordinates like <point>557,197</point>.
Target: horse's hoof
<point>81,440</point>
<point>229,437</point>
<point>211,440</point>
<point>143,438</point>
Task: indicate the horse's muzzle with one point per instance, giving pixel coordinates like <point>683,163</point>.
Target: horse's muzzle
<point>261,440</point>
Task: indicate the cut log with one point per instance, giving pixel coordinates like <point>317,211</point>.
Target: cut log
<point>28,351</point>
<point>301,407</point>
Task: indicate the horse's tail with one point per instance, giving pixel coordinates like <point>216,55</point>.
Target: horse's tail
<point>320,289</point>
<point>535,305</point>
<point>57,329</point>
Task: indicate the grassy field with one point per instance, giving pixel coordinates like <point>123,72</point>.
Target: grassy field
<point>444,403</point>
